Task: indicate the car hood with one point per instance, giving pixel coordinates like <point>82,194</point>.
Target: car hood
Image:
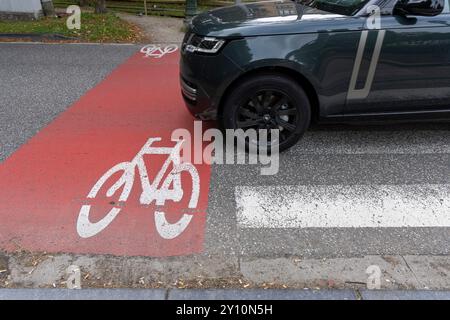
<point>262,18</point>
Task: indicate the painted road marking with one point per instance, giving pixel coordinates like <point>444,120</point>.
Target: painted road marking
<point>57,180</point>
<point>343,206</point>
<point>158,191</point>
<point>374,142</point>
<point>158,51</point>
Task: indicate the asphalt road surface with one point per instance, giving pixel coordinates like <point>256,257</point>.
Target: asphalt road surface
<point>342,176</point>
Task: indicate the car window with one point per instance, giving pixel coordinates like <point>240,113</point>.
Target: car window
<point>344,7</point>
<point>447,6</point>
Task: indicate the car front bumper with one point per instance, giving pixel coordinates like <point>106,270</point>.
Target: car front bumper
<point>197,100</point>
<point>203,81</point>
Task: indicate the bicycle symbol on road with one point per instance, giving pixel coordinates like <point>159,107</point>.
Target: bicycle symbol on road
<point>170,189</point>
<point>156,51</point>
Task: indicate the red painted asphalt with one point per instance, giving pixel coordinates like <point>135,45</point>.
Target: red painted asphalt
<point>45,183</point>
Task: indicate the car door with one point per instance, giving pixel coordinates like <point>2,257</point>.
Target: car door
<point>404,66</point>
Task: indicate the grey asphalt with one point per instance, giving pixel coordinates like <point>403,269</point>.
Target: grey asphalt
<point>39,81</point>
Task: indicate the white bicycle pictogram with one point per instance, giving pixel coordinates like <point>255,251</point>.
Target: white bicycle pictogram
<point>150,190</point>
<point>156,51</point>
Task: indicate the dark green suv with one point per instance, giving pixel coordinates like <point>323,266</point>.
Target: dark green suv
<point>281,64</point>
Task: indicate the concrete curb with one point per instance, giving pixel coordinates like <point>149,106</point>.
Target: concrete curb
<point>35,36</point>
<point>70,43</point>
<point>219,294</point>
<point>404,295</point>
<point>261,294</point>
<point>85,294</point>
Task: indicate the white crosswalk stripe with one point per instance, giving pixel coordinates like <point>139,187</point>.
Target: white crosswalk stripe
<point>352,206</point>
<point>341,191</point>
<point>342,206</point>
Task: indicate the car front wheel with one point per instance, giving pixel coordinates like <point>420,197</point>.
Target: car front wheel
<point>268,101</point>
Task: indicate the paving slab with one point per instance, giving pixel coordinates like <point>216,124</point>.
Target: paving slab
<point>333,273</point>
<point>433,272</point>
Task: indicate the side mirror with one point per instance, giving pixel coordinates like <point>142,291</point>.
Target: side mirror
<point>419,7</point>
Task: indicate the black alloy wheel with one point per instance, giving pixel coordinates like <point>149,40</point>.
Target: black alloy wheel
<point>268,102</point>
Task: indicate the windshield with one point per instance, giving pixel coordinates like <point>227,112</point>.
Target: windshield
<point>344,7</point>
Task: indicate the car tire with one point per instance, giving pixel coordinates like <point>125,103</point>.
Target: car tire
<point>241,98</point>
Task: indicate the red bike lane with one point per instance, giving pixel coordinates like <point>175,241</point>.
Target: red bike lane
<point>45,184</point>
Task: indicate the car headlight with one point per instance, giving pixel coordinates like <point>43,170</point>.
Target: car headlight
<point>204,44</point>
